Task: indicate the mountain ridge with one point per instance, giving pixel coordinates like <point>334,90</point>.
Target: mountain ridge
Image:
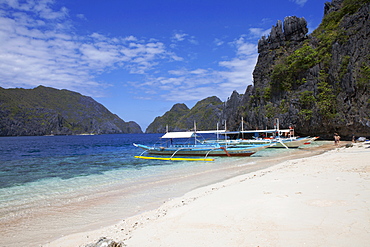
<point>205,114</point>
<point>46,111</point>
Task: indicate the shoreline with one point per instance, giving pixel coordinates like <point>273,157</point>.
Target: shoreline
<point>83,204</point>
<point>196,216</point>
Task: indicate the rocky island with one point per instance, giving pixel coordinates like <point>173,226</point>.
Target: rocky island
<point>317,82</point>
<point>206,113</point>
<point>49,111</point>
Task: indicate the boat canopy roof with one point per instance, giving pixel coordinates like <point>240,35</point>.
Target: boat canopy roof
<point>265,131</point>
<point>187,134</point>
<point>211,131</point>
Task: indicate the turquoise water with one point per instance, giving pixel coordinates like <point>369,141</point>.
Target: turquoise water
<point>57,185</point>
<point>29,159</point>
<point>57,170</point>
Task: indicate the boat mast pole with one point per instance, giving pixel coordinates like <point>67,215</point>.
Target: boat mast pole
<point>277,128</point>
<point>195,134</point>
<point>217,132</point>
<point>225,133</point>
<point>242,127</point>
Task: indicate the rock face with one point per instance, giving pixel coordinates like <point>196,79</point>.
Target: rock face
<point>295,29</point>
<point>104,242</point>
<point>45,111</point>
<point>319,82</point>
<point>205,113</point>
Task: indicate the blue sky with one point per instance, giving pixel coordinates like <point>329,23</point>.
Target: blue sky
<point>139,57</point>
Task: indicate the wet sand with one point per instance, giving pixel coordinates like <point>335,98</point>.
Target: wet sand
<point>312,198</point>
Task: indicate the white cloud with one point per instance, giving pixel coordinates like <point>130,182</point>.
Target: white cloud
<point>193,40</point>
<point>130,38</point>
<point>183,84</point>
<point>178,72</point>
<point>81,16</point>
<point>179,36</point>
<point>41,7</point>
<point>244,48</point>
<point>259,32</point>
<point>239,69</point>
<point>218,42</point>
<point>37,48</point>
<point>300,2</point>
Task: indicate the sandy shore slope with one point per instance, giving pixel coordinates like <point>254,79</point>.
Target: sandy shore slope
<point>322,200</point>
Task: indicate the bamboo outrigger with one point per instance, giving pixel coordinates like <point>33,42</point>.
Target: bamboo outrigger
<point>196,149</point>
<point>174,159</point>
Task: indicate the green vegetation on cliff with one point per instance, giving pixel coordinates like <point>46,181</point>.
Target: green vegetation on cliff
<point>318,82</point>
<point>289,71</point>
<point>169,120</point>
<point>288,74</point>
<point>205,113</point>
<point>45,111</point>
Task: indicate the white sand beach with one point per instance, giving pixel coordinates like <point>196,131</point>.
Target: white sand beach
<point>322,200</point>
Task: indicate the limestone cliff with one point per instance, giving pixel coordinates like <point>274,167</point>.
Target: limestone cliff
<point>318,82</point>
<point>45,111</point>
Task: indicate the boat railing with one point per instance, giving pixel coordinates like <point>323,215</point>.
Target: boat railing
<point>193,146</point>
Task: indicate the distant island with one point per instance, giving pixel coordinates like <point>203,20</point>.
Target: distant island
<point>206,113</point>
<point>48,111</point>
<point>319,82</point>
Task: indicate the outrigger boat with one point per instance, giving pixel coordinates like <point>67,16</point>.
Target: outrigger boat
<point>282,138</point>
<point>278,137</point>
<point>196,149</point>
<point>280,142</point>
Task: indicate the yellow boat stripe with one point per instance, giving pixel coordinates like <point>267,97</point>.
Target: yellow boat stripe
<point>184,159</point>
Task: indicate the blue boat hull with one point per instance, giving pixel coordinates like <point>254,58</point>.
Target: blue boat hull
<point>203,150</point>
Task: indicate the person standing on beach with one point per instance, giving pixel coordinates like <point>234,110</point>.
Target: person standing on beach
<point>291,131</point>
<point>336,139</point>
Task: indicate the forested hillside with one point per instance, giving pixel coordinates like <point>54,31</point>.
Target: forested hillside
<point>206,113</point>
<point>46,111</point>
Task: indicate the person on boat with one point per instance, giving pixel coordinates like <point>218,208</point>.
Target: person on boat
<point>291,131</point>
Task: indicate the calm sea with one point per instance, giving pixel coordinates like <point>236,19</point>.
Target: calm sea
<point>24,160</point>
<point>56,185</point>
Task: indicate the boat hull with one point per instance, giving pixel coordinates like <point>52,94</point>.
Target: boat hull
<point>205,151</point>
<point>292,143</point>
<point>280,143</point>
